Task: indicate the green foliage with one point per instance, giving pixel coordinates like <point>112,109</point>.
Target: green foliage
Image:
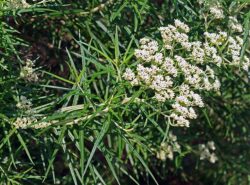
<point>80,50</point>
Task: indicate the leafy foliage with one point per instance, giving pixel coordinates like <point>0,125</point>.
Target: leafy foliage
<point>80,50</point>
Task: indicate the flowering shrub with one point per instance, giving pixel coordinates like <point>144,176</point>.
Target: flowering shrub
<point>175,79</point>
<point>83,101</point>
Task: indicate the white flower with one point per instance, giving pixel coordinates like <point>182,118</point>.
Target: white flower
<point>169,67</point>
<point>193,80</point>
<point>24,103</point>
<point>186,45</point>
<point>205,152</point>
<point>183,99</point>
<point>159,83</point>
<point>144,41</point>
<point>129,74</point>
<point>239,40</point>
<point>246,63</point>
<point>201,2</point>
<point>216,12</point>
<point>192,114</point>
<point>135,82</point>
<point>197,100</point>
<point>207,85</point>
<point>184,89</point>
<point>217,60</point>
<point>181,25</point>
<point>210,72</point>
<point>161,155</point>
<point>180,120</point>
<point>209,50</point>
<point>211,145</point>
<point>167,34</point>
<point>160,97</point>
<point>198,54</point>
<point>28,72</point>
<point>24,122</point>
<point>234,25</point>
<point>213,158</point>
<point>216,85</point>
<point>181,61</point>
<point>168,148</point>
<point>158,58</point>
<point>144,73</point>
<point>172,137</point>
<point>216,39</point>
<point>176,80</point>
<point>181,37</point>
<point>170,154</point>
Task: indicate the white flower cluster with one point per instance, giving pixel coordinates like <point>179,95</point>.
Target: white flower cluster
<point>17,4</point>
<point>216,39</point>
<point>167,149</point>
<point>232,47</point>
<point>216,11</point>
<point>158,73</point>
<point>23,122</point>
<point>176,79</point>
<point>175,34</point>
<point>28,72</point>
<point>233,44</point>
<point>201,2</point>
<point>234,25</point>
<point>207,152</point>
<point>29,122</point>
<point>24,103</point>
